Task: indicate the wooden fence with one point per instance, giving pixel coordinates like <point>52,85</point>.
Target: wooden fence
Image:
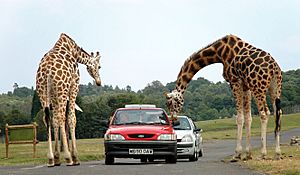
<point>21,134</point>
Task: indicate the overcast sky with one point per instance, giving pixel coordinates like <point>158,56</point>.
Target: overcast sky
<point>141,40</point>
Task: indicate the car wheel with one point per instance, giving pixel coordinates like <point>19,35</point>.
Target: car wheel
<point>194,157</point>
<point>151,159</point>
<point>201,152</point>
<point>109,160</point>
<point>171,159</point>
<point>144,159</point>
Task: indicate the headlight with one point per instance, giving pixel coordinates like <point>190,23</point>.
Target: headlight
<point>187,138</point>
<point>113,137</point>
<point>167,137</point>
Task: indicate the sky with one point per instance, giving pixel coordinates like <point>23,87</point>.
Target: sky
<point>141,41</point>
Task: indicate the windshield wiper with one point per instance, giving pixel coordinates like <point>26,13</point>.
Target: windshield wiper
<point>134,123</point>
<point>180,129</point>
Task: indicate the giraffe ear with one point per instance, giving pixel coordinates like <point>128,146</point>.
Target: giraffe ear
<point>166,94</point>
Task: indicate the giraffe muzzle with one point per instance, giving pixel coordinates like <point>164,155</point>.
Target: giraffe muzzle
<point>98,82</point>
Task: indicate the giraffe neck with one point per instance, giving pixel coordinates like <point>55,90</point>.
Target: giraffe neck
<point>83,56</point>
<point>79,55</point>
<point>221,51</point>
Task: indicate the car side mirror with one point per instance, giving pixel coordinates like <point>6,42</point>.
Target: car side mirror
<point>175,123</point>
<point>198,130</point>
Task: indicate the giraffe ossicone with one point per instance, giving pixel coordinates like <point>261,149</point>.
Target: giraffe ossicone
<point>57,85</point>
<point>249,71</point>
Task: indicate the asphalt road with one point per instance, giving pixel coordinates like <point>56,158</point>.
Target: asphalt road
<point>210,164</point>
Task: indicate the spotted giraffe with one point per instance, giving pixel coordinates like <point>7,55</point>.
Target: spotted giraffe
<point>250,72</point>
<point>57,82</point>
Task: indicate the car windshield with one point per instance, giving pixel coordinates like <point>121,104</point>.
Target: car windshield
<point>184,124</point>
<point>140,117</point>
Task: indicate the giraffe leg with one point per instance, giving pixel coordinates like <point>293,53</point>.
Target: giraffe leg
<point>67,154</point>
<point>237,92</point>
<point>56,147</point>
<point>50,151</point>
<point>46,120</point>
<point>248,122</point>
<point>277,114</point>
<point>261,104</point>
<point>72,121</point>
<point>74,152</point>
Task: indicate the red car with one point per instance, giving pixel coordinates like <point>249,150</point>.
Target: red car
<point>142,132</point>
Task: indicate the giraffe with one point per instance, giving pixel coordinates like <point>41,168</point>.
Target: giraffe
<point>250,71</point>
<point>57,82</point>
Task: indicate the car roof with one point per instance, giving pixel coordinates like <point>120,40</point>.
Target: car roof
<point>139,106</point>
<point>183,116</point>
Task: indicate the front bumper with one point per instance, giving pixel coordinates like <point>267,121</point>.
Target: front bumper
<point>185,149</point>
<point>120,149</point>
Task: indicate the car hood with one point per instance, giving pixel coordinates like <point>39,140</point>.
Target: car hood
<point>132,129</point>
<point>181,133</point>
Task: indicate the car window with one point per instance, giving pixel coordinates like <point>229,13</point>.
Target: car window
<point>193,124</point>
<point>124,117</point>
<point>184,124</point>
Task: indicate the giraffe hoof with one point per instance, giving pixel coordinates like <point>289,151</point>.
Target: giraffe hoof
<point>235,158</point>
<point>76,163</point>
<point>50,163</point>
<point>248,157</point>
<point>57,161</point>
<point>277,157</point>
<point>75,160</point>
<point>69,162</point>
<point>261,157</point>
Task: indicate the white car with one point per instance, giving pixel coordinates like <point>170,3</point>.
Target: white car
<point>189,139</point>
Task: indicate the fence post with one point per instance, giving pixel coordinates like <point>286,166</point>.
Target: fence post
<point>34,139</point>
<point>6,139</point>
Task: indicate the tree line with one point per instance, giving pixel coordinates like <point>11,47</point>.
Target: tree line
<point>204,100</point>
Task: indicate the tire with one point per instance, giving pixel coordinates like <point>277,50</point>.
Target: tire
<point>171,159</point>
<point>194,157</point>
<point>109,160</point>
<point>201,152</point>
<point>144,159</point>
<point>150,159</point>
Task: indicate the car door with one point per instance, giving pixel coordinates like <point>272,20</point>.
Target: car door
<point>196,134</point>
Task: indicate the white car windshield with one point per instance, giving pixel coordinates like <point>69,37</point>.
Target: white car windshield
<point>184,124</point>
<point>140,117</point>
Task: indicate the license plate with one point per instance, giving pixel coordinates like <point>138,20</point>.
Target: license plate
<point>141,151</point>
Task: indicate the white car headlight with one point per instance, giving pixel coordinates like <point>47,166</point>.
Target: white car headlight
<point>113,137</point>
<point>187,138</point>
<point>167,137</point>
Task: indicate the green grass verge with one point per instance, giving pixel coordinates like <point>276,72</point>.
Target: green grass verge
<point>21,154</point>
<point>226,128</point>
<point>289,165</point>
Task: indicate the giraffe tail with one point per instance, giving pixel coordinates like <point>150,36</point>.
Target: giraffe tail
<point>47,117</point>
<point>278,113</point>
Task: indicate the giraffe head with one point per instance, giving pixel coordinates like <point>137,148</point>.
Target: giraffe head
<point>93,67</point>
<point>174,103</point>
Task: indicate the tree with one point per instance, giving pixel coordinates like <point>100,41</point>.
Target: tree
<point>36,105</point>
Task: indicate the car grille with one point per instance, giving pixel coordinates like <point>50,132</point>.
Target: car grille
<point>140,135</point>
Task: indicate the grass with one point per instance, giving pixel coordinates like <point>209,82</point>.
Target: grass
<point>21,154</point>
<point>289,165</point>
<point>226,128</point>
